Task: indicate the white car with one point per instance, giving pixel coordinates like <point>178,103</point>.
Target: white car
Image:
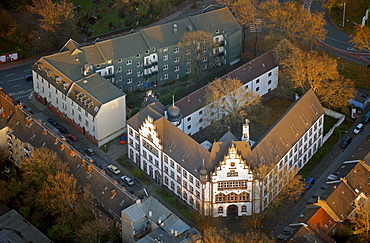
<point>127,180</point>
<point>114,169</point>
<point>358,128</point>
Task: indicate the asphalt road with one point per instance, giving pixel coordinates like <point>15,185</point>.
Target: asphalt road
<point>336,157</point>
<point>337,42</point>
<point>13,82</point>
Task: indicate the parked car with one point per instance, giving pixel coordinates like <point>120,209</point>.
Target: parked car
<point>345,142</point>
<point>61,129</point>
<point>358,128</point>
<point>52,122</point>
<point>72,137</point>
<point>29,77</point>
<point>310,181</point>
<point>90,151</point>
<point>114,169</point>
<point>366,118</point>
<point>127,180</point>
<point>62,137</point>
<point>122,138</point>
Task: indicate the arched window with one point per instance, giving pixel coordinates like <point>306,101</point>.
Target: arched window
<point>220,210</point>
<point>244,197</point>
<point>220,197</point>
<point>232,197</point>
<point>244,208</point>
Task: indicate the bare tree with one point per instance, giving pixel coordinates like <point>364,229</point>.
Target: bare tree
<point>43,163</point>
<point>59,196</point>
<point>8,25</point>
<point>52,13</point>
<point>195,47</point>
<point>310,70</point>
<point>91,231</point>
<point>290,20</point>
<point>361,38</point>
<point>246,13</point>
<point>228,100</point>
<point>214,235</point>
<point>361,221</point>
<point>203,222</point>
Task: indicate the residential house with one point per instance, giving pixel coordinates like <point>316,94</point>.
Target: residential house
<point>23,134</point>
<point>150,220</point>
<point>334,203</point>
<point>15,228</point>
<point>84,84</point>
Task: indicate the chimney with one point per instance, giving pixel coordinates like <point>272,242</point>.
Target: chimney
<point>245,136</point>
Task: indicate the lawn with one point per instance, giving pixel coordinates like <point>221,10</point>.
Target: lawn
<point>108,18</point>
<point>328,123</point>
<point>174,202</point>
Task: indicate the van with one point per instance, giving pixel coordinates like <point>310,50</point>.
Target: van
<point>366,117</point>
<point>29,78</point>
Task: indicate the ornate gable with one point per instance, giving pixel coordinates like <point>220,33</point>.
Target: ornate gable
<point>149,130</point>
<point>232,163</point>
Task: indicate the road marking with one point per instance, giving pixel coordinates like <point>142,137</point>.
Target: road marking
<point>27,70</point>
<point>21,92</point>
<point>12,80</point>
<point>16,85</point>
<point>10,74</point>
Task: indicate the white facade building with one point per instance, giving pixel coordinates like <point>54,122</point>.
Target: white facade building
<point>232,177</point>
<point>91,104</point>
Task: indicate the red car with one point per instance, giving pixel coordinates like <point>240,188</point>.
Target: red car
<point>72,137</point>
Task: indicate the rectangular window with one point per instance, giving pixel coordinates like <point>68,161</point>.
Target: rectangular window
<point>165,67</point>
<point>138,56</point>
<point>165,49</point>
<point>188,70</point>
<point>177,68</point>
<point>176,50</point>
<point>165,76</point>
<point>257,81</point>
<point>270,74</point>
<point>205,59</point>
<point>269,82</point>
<point>165,58</point>
<point>129,62</point>
<point>188,60</point>
<point>129,80</point>
<point>177,59</point>
<point>129,71</point>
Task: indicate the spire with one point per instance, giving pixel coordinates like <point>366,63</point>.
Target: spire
<point>203,173</point>
<point>173,100</point>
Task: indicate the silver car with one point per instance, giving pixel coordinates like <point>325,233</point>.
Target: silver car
<point>127,180</point>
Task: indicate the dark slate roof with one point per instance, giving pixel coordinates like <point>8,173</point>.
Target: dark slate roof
<point>340,200</point>
<point>101,185</point>
<point>245,73</point>
<point>301,115</point>
<point>181,147</point>
<point>359,178</point>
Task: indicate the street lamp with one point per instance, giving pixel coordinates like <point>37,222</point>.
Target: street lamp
<point>344,13</point>
<point>340,134</point>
